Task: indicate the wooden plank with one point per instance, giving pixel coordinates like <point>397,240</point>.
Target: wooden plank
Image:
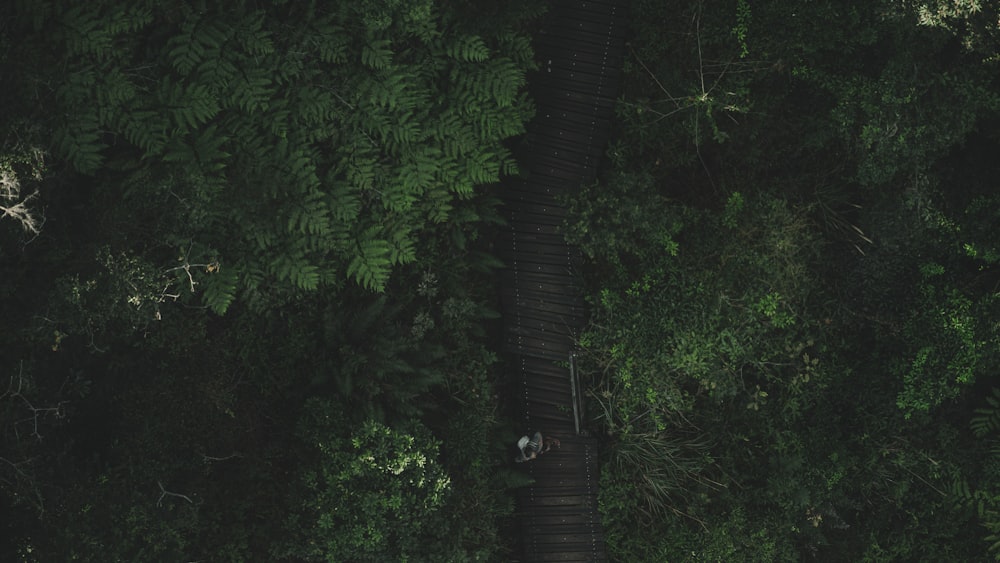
<point>584,121</point>
<point>589,30</point>
<point>528,182</point>
<point>563,557</point>
<point>575,155</point>
<point>543,284</point>
<point>566,500</point>
<point>533,341</point>
<point>534,245</point>
<point>552,300</point>
<point>571,161</point>
<point>551,49</point>
<point>581,173</point>
<point>540,529</point>
<point>559,483</point>
<point>580,49</point>
<point>543,495</point>
<point>532,251</point>
<point>562,167</point>
<point>562,326</point>
<point>552,96</point>
<point>579,79</point>
<point>561,268</point>
<point>575,321</point>
<point>551,510</point>
<point>543,368</point>
<point>515,204</point>
<point>536,329</point>
<point>564,6</point>
<point>587,123</point>
<point>528,223</point>
<point>575,519</point>
<point>541,190</point>
<point>562,388</point>
<point>612,19</point>
<point>556,323</point>
<point>561,265</point>
<point>570,141</point>
<point>554,307</point>
<point>540,410</point>
<point>516,218</point>
<point>580,41</point>
<point>570,60</point>
<point>553,329</point>
<point>586,40</point>
<point>553,99</point>
<point>564,148</point>
<point>533,350</point>
<point>555,383</point>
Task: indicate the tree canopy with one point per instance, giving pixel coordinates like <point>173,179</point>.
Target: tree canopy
<point>795,283</point>
<point>247,292</point>
<point>226,224</point>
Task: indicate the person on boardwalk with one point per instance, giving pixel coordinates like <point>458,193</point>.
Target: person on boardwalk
<point>535,446</point>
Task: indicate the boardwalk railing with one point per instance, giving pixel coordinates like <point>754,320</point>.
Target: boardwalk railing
<point>580,51</point>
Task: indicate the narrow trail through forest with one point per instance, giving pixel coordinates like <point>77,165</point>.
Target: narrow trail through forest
<point>580,50</point>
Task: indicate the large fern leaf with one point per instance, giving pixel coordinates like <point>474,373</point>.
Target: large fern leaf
<point>371,266</point>
<point>986,420</point>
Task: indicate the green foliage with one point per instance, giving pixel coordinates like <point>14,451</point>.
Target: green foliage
<point>374,495</point>
<point>954,355</point>
<point>314,173</point>
<point>793,283</point>
<point>375,124</point>
<point>973,22</point>
<point>986,421</point>
<point>981,499</point>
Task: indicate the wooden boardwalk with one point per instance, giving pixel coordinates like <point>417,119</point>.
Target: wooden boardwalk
<point>580,50</point>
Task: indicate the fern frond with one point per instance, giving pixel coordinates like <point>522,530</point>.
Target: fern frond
<point>84,32</point>
<point>220,290</point>
<point>251,35</point>
<point>330,43</point>
<point>189,105</point>
<point>199,39</point>
<point>518,48</point>
<point>986,420</point>
<point>78,141</point>
<point>470,48</point>
<point>129,19</point>
<point>252,91</point>
<point>370,267</point>
<point>144,129</point>
<point>310,216</point>
<point>208,149</point>
<point>295,267</point>
<point>344,203</point>
<point>404,248</point>
<point>377,54</point>
<point>438,206</point>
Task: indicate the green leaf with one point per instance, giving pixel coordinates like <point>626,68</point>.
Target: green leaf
<point>220,290</point>
<point>470,48</point>
<point>370,268</point>
<point>377,54</point>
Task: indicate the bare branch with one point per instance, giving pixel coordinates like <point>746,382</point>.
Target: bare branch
<point>22,213</point>
<point>186,266</point>
<point>208,458</point>
<point>165,493</point>
<point>36,412</point>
